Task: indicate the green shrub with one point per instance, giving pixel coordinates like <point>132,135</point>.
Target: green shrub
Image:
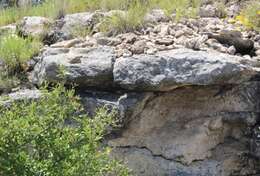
<point>16,51</point>
<point>52,137</point>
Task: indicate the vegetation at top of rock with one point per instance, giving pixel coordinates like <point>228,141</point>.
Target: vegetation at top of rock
<point>53,136</point>
<point>57,8</point>
<point>250,15</point>
<point>127,21</point>
<point>15,51</point>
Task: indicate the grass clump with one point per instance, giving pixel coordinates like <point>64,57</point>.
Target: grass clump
<point>125,21</point>
<point>250,16</point>
<point>52,136</point>
<point>15,51</point>
<point>80,31</point>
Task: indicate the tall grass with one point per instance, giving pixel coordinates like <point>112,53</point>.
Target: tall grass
<point>57,8</point>
<point>16,51</point>
<point>13,14</point>
<point>125,21</point>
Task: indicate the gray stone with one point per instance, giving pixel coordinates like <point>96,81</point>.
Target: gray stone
<point>34,26</point>
<point>125,105</point>
<point>192,131</point>
<point>79,22</point>
<point>92,69</point>
<point>168,70</point>
<point>138,47</point>
<point>20,95</point>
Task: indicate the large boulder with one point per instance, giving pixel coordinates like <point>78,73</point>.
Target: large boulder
<point>168,70</point>
<point>81,66</point>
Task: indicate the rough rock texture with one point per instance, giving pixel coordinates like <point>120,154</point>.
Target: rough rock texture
<point>192,131</point>
<point>164,71</point>
<point>169,69</point>
<point>78,22</point>
<point>25,94</point>
<point>80,66</point>
<point>182,112</point>
<point>34,26</point>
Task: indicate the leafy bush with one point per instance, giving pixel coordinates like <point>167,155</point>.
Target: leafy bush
<point>16,51</point>
<point>52,137</point>
<point>250,15</point>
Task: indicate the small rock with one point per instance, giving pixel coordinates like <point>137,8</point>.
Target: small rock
<point>164,30</point>
<point>179,33</point>
<point>127,53</point>
<point>98,35</point>
<point>257,52</point>
<point>129,37</point>
<point>231,50</point>
<point>151,51</point>
<point>138,47</point>
<point>196,43</point>
<point>108,41</point>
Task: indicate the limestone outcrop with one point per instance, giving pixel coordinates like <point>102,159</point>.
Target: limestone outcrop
<point>182,112</point>
<point>187,100</point>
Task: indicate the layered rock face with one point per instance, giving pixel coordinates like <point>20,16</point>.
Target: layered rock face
<point>182,112</point>
<point>186,96</point>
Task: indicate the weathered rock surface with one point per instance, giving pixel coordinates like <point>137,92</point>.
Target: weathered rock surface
<point>20,95</point>
<point>170,69</point>
<point>164,71</point>
<point>199,131</point>
<point>81,66</point>
<point>181,112</point>
<point>79,22</point>
<point>34,26</point>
